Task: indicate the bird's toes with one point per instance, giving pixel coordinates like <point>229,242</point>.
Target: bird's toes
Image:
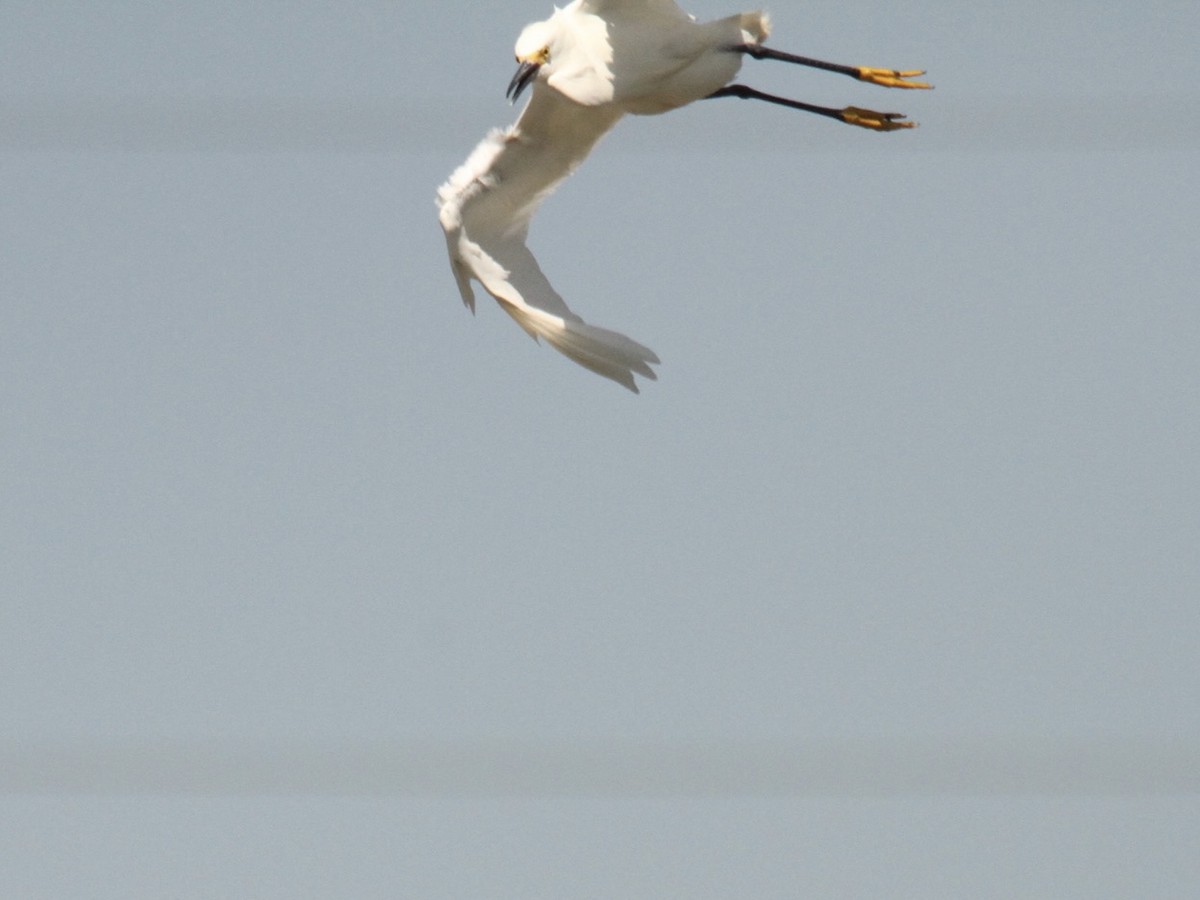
<point>892,77</point>
<point>876,121</point>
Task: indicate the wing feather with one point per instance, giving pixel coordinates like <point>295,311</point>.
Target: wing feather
<point>485,209</point>
<point>667,8</point>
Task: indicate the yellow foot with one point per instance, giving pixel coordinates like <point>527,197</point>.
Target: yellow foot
<point>891,77</point>
<point>876,121</point>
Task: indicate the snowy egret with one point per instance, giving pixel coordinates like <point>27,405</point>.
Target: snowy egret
<point>591,63</point>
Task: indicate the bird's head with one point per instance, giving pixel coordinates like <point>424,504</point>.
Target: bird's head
<point>533,52</point>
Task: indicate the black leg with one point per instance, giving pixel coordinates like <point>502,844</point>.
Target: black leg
<point>884,77</point>
<point>851,115</point>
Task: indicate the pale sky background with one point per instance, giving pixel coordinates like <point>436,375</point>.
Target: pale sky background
<point>316,586</point>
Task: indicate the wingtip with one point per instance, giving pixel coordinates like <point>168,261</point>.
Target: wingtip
<point>607,353</point>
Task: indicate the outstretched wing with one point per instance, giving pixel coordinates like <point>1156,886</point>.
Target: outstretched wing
<point>661,7</point>
<point>485,209</point>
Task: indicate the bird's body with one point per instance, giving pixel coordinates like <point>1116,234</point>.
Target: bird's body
<point>644,57</point>
<point>591,62</point>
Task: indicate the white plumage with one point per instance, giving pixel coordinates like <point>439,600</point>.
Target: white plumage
<point>591,63</point>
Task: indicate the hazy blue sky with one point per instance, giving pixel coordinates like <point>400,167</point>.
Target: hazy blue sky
<point>315,585</point>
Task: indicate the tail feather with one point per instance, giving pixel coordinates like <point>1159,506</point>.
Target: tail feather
<point>756,26</point>
<point>604,352</point>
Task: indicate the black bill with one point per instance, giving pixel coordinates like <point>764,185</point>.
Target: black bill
<point>526,72</point>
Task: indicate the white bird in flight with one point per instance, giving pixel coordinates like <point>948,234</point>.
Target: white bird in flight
<point>591,63</point>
